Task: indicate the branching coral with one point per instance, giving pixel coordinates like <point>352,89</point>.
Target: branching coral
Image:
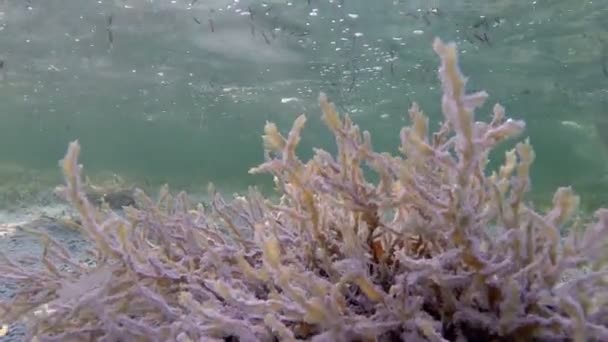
<point>436,250</point>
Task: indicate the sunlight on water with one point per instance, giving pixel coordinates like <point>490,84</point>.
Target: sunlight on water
<point>179,91</point>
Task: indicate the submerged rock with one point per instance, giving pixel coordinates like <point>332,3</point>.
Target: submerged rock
<point>116,199</point>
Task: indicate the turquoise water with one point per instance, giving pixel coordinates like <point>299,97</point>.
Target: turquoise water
<point>179,91</point>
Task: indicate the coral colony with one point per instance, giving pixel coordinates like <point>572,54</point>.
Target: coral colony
<point>439,249</point>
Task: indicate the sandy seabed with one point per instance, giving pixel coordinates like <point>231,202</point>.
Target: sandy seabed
<point>17,244</point>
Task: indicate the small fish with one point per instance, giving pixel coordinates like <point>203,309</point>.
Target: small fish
<point>482,22</point>
<point>196,20</point>
<point>111,38</point>
<point>109,22</point>
<point>265,38</point>
<point>211,26</point>
<point>601,126</point>
<point>353,81</point>
<point>604,59</point>
<point>483,38</point>
<point>267,11</point>
<point>487,39</point>
<point>426,19</point>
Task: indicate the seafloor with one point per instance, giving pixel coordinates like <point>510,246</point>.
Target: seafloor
<point>16,243</point>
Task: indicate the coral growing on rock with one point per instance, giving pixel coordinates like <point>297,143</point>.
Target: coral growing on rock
<point>436,250</point>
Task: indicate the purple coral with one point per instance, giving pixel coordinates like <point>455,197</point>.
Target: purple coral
<point>436,250</point>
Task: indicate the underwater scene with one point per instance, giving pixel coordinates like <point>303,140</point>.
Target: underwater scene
<point>304,170</point>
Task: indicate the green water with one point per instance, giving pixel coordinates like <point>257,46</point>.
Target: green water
<point>181,90</point>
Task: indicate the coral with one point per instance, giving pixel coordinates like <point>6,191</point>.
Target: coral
<point>439,249</point>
